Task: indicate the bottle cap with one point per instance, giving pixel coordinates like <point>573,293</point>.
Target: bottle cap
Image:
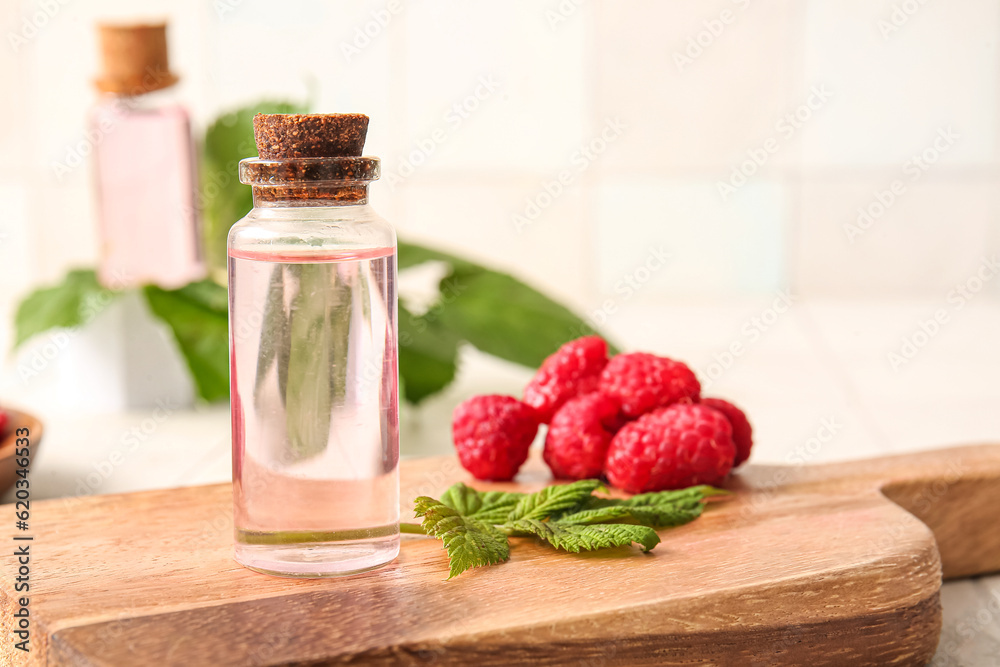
<point>134,59</point>
<point>284,136</point>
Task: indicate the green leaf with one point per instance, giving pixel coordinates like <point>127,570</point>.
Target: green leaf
<point>552,500</point>
<point>413,254</point>
<point>608,514</point>
<point>197,315</point>
<point>692,494</point>
<point>497,313</point>
<point>490,507</point>
<point>224,200</point>
<point>428,355</point>
<point>658,509</point>
<point>502,316</point>
<point>318,325</point>
<point>576,538</point>
<point>71,303</point>
<point>470,542</point>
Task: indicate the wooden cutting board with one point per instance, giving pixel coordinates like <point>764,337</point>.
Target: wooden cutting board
<point>805,565</point>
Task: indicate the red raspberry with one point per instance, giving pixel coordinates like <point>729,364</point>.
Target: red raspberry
<point>742,431</point>
<point>672,448</point>
<point>492,435</point>
<point>579,435</point>
<point>643,381</point>
<point>575,368</point>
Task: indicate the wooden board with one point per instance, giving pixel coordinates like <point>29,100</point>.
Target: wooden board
<point>806,565</point>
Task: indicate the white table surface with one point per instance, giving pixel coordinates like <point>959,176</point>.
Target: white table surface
<point>821,360</point>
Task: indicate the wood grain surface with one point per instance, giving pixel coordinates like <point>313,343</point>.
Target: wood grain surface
<point>805,565</point>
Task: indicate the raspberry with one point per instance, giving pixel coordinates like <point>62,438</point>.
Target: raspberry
<point>579,435</point>
<point>575,368</point>
<point>671,448</point>
<point>492,435</point>
<point>742,431</point>
<point>643,381</point>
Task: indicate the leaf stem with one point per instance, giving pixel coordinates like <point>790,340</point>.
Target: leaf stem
<point>414,528</point>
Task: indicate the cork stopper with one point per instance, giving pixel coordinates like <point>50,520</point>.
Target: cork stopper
<point>309,160</point>
<point>134,59</point>
<point>284,136</point>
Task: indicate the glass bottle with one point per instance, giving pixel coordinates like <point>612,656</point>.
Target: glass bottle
<point>144,163</point>
<point>313,370</point>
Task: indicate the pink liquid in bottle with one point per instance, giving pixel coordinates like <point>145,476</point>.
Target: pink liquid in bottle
<point>146,194</point>
<point>314,405</point>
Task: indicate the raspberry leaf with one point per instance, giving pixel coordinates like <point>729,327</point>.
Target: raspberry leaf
<point>490,507</point>
<point>469,542</point>
<point>694,494</point>
<point>576,538</point>
<point>657,516</point>
<point>553,500</point>
<point>665,516</point>
<point>598,515</point>
<point>474,525</point>
<point>659,509</point>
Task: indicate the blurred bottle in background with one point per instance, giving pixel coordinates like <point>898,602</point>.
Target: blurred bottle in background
<point>145,165</point>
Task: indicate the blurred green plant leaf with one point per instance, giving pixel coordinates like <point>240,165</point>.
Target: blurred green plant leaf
<point>224,200</point>
<point>495,312</point>
<point>428,355</point>
<point>198,316</point>
<point>502,316</point>
<point>71,303</point>
<point>412,254</point>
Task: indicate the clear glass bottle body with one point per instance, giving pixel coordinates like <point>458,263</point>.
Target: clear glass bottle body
<point>146,185</point>
<point>314,382</point>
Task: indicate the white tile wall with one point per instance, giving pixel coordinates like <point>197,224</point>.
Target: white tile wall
<point>714,246</point>
<point>557,73</point>
<point>896,76</point>
<point>858,234</point>
<point>700,82</point>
